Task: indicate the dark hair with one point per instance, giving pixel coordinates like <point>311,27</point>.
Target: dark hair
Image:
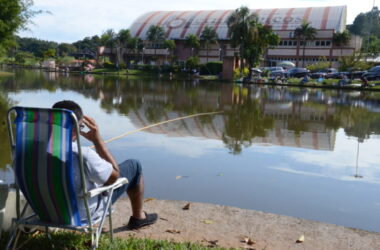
<point>70,105</point>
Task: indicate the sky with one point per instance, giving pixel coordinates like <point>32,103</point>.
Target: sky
<point>72,20</point>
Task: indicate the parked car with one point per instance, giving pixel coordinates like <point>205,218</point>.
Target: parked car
<point>372,73</point>
<point>297,72</point>
<point>325,73</point>
<point>350,75</point>
<point>275,71</point>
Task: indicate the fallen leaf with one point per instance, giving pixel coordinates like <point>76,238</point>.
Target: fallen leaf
<point>248,241</point>
<point>149,199</point>
<point>163,219</point>
<point>173,231</point>
<point>301,239</point>
<point>207,221</point>
<point>186,207</point>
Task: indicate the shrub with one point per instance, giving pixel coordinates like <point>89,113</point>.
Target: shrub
<point>213,68</point>
<point>318,66</point>
<point>237,72</point>
<point>192,62</point>
<point>109,65</point>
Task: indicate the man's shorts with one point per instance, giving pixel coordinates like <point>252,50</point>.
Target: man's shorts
<point>130,169</point>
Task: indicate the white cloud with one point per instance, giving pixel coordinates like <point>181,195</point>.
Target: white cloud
<point>72,20</point>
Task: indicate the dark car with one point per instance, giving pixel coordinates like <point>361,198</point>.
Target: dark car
<point>372,74</point>
<point>325,73</point>
<point>297,72</point>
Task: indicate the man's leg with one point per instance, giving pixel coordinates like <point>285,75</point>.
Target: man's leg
<point>131,169</point>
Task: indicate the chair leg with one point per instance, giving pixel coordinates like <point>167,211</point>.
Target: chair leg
<point>110,222</point>
<point>14,229</point>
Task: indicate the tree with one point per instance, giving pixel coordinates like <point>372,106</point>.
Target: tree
<point>208,37</point>
<point>341,39</point>
<point>373,47</point>
<point>170,46</point>
<point>50,53</point>
<point>303,34</point>
<point>242,29</point>
<point>192,41</point>
<point>255,49</point>
<point>156,35</point>
<point>65,49</point>
<point>14,15</point>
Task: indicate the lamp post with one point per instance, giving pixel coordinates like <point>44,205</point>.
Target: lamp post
<point>220,54</point>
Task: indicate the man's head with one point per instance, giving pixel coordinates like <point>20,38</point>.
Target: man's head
<point>70,105</point>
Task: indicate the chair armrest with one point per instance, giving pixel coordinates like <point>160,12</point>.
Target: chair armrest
<point>118,183</point>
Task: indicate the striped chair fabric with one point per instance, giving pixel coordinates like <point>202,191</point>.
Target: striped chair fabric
<point>44,164</point>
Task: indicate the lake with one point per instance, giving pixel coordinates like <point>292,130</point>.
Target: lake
<point>308,153</point>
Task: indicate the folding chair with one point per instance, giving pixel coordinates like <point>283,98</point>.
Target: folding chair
<point>43,162</point>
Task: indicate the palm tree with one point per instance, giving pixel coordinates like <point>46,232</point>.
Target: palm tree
<point>156,35</point>
<point>123,38</point>
<point>242,29</point>
<point>108,39</point>
<point>208,37</point>
<point>304,33</point>
<point>192,41</point>
<point>341,39</point>
<point>170,46</point>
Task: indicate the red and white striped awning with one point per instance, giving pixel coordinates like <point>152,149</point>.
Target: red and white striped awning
<point>179,24</point>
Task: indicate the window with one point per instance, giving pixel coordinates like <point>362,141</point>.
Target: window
<point>317,43</point>
<point>328,43</point>
<point>323,43</point>
<point>285,43</point>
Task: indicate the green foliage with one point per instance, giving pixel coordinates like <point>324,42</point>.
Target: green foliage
<point>109,65</point>
<point>156,35</point>
<point>208,37</point>
<point>367,23</point>
<point>214,68</point>
<point>192,41</point>
<point>66,60</point>
<point>252,38</point>
<point>70,240</point>
<point>243,73</point>
<point>90,43</point>
<point>352,63</point>
<point>35,46</point>
<point>192,62</point>
<point>318,66</point>
<point>341,38</point>
<point>65,49</point>
<point>305,33</point>
<point>50,53</point>
<point>170,45</point>
<point>21,57</point>
<point>108,38</point>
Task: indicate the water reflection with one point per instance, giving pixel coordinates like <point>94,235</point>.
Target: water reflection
<point>306,118</point>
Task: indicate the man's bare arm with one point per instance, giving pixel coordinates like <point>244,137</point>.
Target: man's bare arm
<point>93,135</point>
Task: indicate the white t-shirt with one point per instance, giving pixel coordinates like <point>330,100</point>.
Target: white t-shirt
<point>97,172</point>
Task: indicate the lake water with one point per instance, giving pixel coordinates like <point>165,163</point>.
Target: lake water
<point>308,153</point>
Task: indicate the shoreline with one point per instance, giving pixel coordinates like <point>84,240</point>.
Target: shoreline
<point>228,226</point>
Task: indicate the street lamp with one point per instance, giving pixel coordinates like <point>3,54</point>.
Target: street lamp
<point>220,54</point>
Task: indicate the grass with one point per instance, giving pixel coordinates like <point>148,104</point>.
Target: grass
<point>79,241</point>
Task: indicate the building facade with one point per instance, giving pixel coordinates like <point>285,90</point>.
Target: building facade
<point>179,24</point>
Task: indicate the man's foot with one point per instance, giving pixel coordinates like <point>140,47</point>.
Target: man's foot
<point>139,223</point>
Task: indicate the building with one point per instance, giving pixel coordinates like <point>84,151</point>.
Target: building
<point>178,24</point>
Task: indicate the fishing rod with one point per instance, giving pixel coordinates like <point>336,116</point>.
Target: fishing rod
<point>157,124</point>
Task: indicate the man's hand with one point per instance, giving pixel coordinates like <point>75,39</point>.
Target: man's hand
<point>93,134</point>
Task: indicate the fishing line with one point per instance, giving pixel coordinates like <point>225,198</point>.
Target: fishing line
<point>156,124</point>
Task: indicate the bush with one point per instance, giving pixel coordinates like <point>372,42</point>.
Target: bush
<point>318,66</point>
<point>192,62</point>
<point>237,72</point>
<point>213,68</point>
<point>109,65</point>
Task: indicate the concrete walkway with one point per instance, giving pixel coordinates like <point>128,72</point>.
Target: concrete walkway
<point>228,226</point>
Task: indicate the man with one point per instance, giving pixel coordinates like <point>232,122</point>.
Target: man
<point>102,169</point>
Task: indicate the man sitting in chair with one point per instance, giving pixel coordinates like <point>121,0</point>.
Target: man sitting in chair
<point>102,169</point>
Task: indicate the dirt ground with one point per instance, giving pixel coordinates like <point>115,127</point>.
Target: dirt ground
<point>224,226</point>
